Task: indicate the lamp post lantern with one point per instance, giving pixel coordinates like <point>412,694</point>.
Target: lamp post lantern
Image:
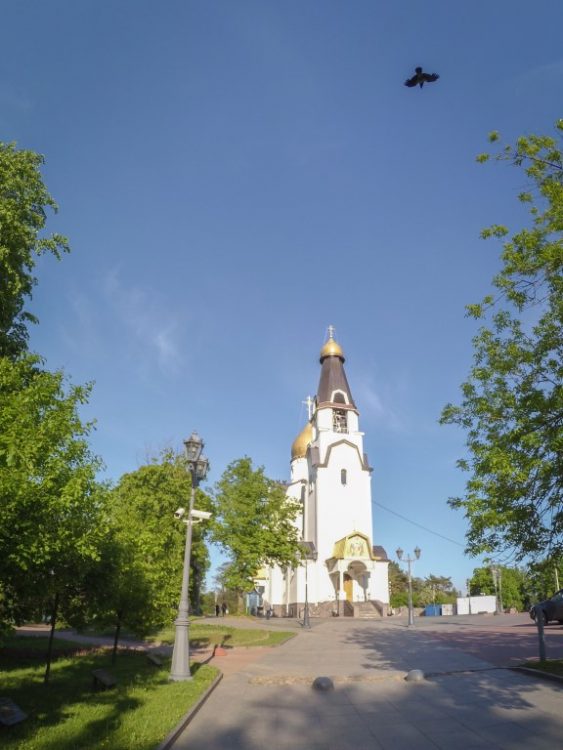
<point>198,467</point>
<point>309,552</point>
<point>409,560</point>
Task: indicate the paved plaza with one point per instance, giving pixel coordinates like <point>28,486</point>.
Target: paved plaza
<point>467,701</point>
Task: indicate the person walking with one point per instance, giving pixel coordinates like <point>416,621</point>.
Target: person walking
<point>217,610</point>
<point>224,609</point>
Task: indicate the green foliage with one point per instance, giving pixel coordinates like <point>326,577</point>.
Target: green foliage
<point>50,503</point>
<point>544,578</point>
<point>232,597</point>
<point>430,590</point>
<point>513,587</point>
<point>512,402</point>
<point>253,522</point>
<point>434,590</point>
<point>481,582</point>
<point>141,573</point>
<point>398,583</point>
<point>23,204</point>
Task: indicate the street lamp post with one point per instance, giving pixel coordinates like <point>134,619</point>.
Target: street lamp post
<point>309,553</point>
<point>409,560</point>
<point>496,573</point>
<point>198,467</point>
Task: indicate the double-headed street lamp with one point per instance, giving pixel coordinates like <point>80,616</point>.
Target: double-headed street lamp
<point>409,560</point>
<point>309,552</point>
<point>198,467</point>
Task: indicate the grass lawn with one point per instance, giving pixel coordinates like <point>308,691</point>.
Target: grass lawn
<point>202,635</point>
<point>553,666</point>
<point>68,714</point>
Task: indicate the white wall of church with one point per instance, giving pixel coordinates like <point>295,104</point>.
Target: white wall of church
<point>342,508</point>
<point>379,582</point>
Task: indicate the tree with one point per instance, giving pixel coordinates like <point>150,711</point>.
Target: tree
<point>222,592</point>
<point>24,201</point>
<point>253,522</point>
<point>51,520</point>
<point>512,402</point>
<point>543,579</point>
<point>512,587</point>
<point>436,590</point>
<point>398,585</point>
<point>147,547</point>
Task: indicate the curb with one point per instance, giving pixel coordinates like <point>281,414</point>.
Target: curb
<point>539,673</point>
<point>171,738</point>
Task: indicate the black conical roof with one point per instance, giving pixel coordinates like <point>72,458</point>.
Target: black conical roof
<point>333,378</point>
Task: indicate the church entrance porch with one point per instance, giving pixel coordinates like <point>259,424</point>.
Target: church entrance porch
<point>356,574</point>
<point>354,588</point>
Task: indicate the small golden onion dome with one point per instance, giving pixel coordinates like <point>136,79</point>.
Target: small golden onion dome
<point>332,349</point>
<point>301,442</point>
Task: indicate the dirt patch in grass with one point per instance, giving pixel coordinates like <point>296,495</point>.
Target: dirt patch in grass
<point>204,636</point>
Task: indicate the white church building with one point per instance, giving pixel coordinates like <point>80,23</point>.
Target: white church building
<point>344,573</point>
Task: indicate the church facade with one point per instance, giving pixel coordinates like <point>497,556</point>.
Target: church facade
<point>342,572</point>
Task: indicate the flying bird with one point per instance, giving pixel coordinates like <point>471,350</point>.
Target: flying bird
<point>421,78</point>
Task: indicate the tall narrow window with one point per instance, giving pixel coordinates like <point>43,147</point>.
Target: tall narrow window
<point>339,420</point>
<point>343,476</point>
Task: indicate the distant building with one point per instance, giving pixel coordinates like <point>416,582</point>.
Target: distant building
<point>331,479</point>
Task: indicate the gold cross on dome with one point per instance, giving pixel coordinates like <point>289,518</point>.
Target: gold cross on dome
<point>309,403</point>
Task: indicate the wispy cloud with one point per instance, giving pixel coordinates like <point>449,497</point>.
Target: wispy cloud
<point>148,319</point>
<point>378,404</point>
<point>81,330</point>
<point>547,72</point>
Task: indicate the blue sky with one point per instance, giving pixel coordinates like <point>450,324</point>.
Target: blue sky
<point>236,176</point>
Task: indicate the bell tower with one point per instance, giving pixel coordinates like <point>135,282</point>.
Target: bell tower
<point>339,471</point>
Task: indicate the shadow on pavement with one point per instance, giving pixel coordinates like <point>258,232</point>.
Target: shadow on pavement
<point>474,711</point>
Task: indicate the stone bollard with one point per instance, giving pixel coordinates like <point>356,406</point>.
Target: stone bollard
<point>415,675</point>
<point>323,683</point>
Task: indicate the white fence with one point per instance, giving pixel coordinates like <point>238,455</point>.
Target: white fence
<point>473,605</point>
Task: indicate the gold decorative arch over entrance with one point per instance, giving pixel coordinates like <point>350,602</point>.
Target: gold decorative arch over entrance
<point>353,546</point>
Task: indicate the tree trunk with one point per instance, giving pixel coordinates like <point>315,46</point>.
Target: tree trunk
<point>116,636</point>
<point>51,636</point>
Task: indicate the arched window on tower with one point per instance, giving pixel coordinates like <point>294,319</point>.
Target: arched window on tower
<point>339,420</point>
<point>343,476</point>
<point>339,397</point>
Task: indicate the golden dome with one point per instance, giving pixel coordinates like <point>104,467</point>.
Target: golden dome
<point>301,442</point>
<point>332,349</point>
